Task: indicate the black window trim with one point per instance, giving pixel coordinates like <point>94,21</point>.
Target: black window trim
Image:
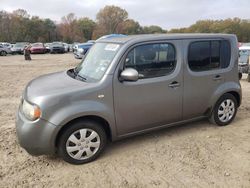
<point>209,40</point>
<point>122,60</point>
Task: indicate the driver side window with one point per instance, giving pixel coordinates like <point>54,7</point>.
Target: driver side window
<point>152,60</point>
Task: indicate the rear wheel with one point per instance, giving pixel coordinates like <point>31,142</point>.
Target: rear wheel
<point>225,110</point>
<point>82,142</point>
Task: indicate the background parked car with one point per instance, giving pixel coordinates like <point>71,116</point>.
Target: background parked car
<point>82,49</point>
<point>91,41</point>
<point>66,47</point>
<point>111,36</point>
<point>6,44</point>
<point>37,48</point>
<point>57,47</point>
<point>244,63</point>
<point>19,47</point>
<point>70,47</point>
<point>74,46</point>
<point>4,50</point>
<point>47,46</point>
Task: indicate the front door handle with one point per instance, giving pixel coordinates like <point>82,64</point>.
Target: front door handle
<point>217,77</point>
<point>174,84</point>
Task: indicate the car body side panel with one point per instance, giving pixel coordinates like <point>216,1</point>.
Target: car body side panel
<point>145,104</point>
<point>83,109</point>
<point>202,89</point>
<point>222,89</point>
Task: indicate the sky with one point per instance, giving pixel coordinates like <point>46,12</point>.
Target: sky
<point>166,13</point>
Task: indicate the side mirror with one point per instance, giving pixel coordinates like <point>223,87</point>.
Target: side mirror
<point>129,74</point>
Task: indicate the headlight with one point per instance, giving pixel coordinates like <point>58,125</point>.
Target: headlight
<point>30,111</point>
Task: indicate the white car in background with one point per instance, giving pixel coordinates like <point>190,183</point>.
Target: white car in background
<point>75,46</point>
<point>4,50</point>
<point>66,47</point>
<point>6,44</point>
<point>244,61</point>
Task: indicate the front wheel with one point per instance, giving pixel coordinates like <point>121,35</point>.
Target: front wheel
<point>82,142</point>
<point>224,111</point>
<point>3,53</point>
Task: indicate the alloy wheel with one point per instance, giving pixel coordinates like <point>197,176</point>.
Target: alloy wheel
<point>226,110</point>
<point>83,144</point>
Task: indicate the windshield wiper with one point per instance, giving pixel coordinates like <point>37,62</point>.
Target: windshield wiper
<point>75,72</point>
<point>81,77</point>
<point>77,75</point>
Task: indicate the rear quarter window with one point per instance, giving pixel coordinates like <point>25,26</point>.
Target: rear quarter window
<point>209,55</point>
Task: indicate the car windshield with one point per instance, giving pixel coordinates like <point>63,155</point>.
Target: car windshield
<point>97,61</point>
<point>57,44</point>
<point>37,45</point>
<point>19,44</point>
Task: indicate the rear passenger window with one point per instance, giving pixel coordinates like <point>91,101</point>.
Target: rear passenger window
<point>209,55</point>
<point>152,60</point>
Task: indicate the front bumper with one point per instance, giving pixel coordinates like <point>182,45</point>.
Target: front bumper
<point>17,51</point>
<point>35,137</point>
<point>57,50</point>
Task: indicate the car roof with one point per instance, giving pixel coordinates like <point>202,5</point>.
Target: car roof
<point>145,37</point>
<point>86,44</point>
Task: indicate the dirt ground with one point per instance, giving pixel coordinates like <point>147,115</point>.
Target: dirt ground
<point>193,155</point>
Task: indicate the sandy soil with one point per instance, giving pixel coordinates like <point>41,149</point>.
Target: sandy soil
<point>192,155</point>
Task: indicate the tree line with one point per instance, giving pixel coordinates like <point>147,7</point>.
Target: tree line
<point>240,27</point>
<point>20,26</point>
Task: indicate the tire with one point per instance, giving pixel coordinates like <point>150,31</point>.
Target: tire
<point>248,77</point>
<point>240,75</point>
<point>228,111</point>
<point>3,53</point>
<point>73,149</point>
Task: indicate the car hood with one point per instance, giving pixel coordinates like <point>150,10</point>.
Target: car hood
<point>17,48</point>
<point>5,49</point>
<point>52,85</point>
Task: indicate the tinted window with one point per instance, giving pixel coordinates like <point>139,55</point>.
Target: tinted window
<point>209,55</point>
<point>215,55</point>
<point>152,60</point>
<point>199,56</point>
<point>225,54</point>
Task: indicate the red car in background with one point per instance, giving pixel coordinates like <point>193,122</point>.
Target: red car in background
<point>37,48</point>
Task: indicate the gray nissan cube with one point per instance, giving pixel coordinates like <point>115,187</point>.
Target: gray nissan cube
<point>127,86</point>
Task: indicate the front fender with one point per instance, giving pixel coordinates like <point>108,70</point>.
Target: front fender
<point>75,110</point>
<point>80,109</point>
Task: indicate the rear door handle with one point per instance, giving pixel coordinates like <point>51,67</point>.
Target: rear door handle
<point>174,84</point>
<point>217,77</point>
